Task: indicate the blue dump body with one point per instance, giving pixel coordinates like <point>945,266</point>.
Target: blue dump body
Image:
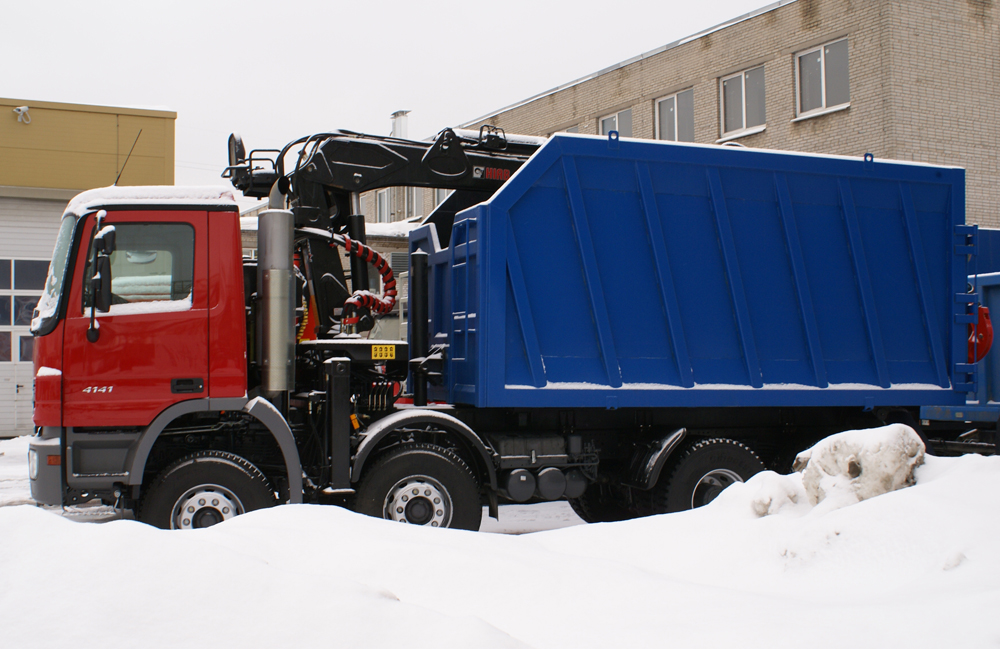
<point>621,273</point>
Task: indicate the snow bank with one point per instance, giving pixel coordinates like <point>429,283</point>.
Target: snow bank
<point>915,567</point>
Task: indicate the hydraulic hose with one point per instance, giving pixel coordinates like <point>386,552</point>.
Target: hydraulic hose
<point>363,299</point>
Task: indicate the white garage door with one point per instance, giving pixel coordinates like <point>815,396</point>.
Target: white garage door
<point>27,233</point>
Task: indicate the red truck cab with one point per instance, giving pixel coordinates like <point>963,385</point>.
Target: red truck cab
<point>175,330</point>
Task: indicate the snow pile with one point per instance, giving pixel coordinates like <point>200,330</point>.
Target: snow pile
<point>859,464</point>
<point>915,567</point>
<point>842,470</point>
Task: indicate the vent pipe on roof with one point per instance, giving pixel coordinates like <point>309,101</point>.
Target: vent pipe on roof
<point>399,124</point>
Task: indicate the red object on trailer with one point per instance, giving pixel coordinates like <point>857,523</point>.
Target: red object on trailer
<point>980,336</point>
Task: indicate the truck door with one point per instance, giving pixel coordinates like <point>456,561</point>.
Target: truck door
<point>152,349</point>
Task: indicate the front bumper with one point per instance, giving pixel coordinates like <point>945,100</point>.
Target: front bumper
<point>45,474</point>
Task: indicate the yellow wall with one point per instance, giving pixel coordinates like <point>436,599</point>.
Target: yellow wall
<point>74,146</point>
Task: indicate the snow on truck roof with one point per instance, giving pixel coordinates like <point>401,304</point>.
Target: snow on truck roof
<point>150,195</point>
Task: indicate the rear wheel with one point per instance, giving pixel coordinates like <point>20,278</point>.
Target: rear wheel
<point>702,471</point>
<point>203,489</point>
<point>421,484</point>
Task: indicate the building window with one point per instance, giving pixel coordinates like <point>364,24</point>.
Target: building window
<point>743,103</point>
<point>414,198</point>
<point>822,79</point>
<point>383,213</point>
<point>620,121</point>
<point>675,117</point>
<point>21,284</point>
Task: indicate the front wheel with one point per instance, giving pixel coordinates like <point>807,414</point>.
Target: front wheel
<point>421,484</point>
<point>203,489</point>
<point>702,471</point>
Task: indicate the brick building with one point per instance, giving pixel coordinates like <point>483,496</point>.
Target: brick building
<point>914,80</point>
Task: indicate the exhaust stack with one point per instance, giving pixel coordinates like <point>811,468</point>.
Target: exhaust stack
<point>276,312</point>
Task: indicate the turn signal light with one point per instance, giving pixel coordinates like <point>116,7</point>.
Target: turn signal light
<point>53,460</point>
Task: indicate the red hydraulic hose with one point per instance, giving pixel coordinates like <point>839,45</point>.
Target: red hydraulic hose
<point>366,299</point>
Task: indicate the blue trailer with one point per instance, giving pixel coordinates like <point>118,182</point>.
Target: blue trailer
<point>661,319</point>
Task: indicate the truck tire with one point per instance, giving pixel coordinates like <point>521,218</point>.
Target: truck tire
<point>702,471</point>
<point>421,484</point>
<point>203,489</point>
<point>596,506</point>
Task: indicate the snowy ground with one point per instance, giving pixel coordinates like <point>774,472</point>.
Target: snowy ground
<point>916,567</point>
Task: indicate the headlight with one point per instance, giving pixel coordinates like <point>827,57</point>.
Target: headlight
<point>32,463</point>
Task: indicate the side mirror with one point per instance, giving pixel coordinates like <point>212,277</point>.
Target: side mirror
<point>101,283</point>
<point>104,241</point>
<point>237,152</point>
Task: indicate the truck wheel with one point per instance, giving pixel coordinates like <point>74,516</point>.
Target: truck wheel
<point>701,473</point>
<point>203,489</point>
<point>596,506</point>
<point>421,484</point>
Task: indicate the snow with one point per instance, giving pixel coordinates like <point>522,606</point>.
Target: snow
<point>860,464</point>
<point>152,306</point>
<point>153,195</point>
<point>915,567</point>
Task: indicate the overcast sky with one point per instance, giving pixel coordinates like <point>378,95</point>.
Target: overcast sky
<point>274,71</point>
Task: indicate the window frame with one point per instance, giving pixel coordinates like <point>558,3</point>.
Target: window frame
<point>677,112</point>
<point>823,109</point>
<point>744,130</point>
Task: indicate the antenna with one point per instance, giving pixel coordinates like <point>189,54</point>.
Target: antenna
<point>127,157</point>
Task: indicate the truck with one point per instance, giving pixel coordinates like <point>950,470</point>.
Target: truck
<point>628,325</point>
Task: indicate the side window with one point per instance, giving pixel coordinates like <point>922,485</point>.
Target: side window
<point>743,103</point>
<point>152,265</point>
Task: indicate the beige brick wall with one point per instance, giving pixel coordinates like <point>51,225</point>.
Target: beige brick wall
<point>923,84</point>
<point>945,92</point>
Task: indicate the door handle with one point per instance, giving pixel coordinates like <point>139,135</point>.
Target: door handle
<point>187,386</point>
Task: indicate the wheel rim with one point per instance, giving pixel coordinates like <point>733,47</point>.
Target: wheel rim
<point>711,485</point>
<point>419,500</point>
<point>204,506</point>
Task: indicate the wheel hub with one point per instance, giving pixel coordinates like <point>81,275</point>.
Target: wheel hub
<point>204,506</point>
<point>419,500</point>
<point>711,485</point>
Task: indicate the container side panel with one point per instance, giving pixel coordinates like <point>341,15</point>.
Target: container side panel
<point>645,274</point>
<point>894,283</point>
<point>833,285</point>
<point>768,279</point>
<point>628,273</point>
<point>703,293</point>
<point>556,286</point>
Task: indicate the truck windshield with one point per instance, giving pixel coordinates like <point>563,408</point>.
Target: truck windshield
<point>46,313</point>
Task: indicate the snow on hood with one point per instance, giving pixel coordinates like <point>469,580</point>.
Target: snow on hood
<point>151,194</point>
